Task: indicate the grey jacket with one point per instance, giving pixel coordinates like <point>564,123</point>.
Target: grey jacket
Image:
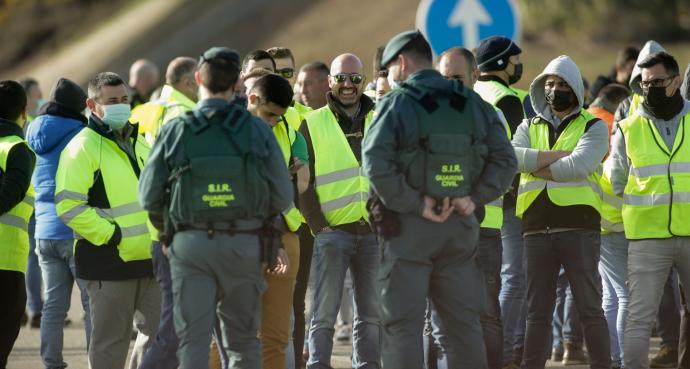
<point>617,165</point>
<point>590,149</point>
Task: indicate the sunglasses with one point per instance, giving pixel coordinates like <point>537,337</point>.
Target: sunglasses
<point>286,72</point>
<point>355,78</point>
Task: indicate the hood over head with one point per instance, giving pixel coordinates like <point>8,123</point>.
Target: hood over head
<point>651,47</point>
<point>564,67</point>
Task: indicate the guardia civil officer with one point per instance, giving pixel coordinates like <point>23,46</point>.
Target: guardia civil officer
<point>225,175</point>
<point>435,152</point>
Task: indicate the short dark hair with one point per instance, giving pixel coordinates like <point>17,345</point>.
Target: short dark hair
<point>28,83</point>
<point>626,55</point>
<point>219,74</point>
<point>257,55</point>
<point>256,73</point>
<point>273,88</point>
<point>277,52</point>
<point>418,49</point>
<point>178,68</point>
<point>663,58</point>
<point>470,60</point>
<point>316,66</point>
<point>614,93</point>
<point>12,100</point>
<point>103,79</point>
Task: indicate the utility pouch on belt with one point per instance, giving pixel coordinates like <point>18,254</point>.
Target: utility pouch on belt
<point>271,240</point>
<point>385,222</point>
<point>449,154</point>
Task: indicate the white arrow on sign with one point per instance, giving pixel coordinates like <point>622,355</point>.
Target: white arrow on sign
<point>469,14</point>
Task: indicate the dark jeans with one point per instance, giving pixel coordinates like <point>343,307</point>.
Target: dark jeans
<point>566,322</point>
<point>668,317</point>
<point>163,351</point>
<point>13,292</point>
<point>489,262</point>
<point>306,245</point>
<point>578,253</point>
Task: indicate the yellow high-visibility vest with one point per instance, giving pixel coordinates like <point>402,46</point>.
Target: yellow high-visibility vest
<point>656,200</point>
<point>286,135</point>
<point>586,192</point>
<point>340,185</point>
<point>14,225</point>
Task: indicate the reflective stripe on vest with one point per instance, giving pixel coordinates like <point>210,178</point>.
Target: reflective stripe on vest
<point>286,135</point>
<point>492,92</point>
<point>587,192</point>
<point>342,189</point>
<point>611,205</point>
<point>14,235</point>
<point>656,201</point>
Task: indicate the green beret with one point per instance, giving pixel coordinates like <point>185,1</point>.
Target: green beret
<point>396,45</point>
<point>224,53</point>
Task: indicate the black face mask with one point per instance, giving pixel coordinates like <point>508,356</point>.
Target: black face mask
<point>660,105</point>
<point>241,101</point>
<point>517,74</point>
<point>559,100</point>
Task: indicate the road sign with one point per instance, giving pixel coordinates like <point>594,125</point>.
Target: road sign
<point>448,23</point>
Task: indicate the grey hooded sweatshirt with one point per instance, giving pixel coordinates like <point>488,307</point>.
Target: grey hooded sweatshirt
<point>544,215</point>
<point>651,47</point>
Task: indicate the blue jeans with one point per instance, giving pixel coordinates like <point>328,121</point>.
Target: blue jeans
<point>512,297</point>
<point>334,253</point>
<point>57,264</point>
<point>163,352</point>
<point>613,268</point>
<point>566,322</point>
<point>34,300</point>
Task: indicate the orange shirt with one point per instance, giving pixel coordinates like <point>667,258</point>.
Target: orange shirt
<point>607,117</point>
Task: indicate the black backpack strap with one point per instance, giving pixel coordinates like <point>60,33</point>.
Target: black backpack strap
<point>458,98</point>
<point>425,99</point>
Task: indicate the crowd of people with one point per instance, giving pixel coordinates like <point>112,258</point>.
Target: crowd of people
<point>247,213</point>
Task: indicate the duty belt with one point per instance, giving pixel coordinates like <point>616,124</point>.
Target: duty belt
<point>358,227</point>
<point>241,226</point>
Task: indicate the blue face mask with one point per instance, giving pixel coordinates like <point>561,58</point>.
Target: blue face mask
<point>116,115</point>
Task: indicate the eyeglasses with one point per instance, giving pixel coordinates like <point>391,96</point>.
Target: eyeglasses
<point>657,82</point>
<point>355,78</point>
<point>286,72</point>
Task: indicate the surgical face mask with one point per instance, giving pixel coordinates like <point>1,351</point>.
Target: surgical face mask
<point>559,100</point>
<point>391,80</point>
<point>116,115</point>
<point>517,74</point>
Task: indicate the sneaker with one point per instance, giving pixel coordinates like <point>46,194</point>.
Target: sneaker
<point>557,354</point>
<point>574,355</point>
<point>36,321</point>
<point>667,357</point>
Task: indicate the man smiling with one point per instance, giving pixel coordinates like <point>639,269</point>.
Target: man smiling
<point>334,206</point>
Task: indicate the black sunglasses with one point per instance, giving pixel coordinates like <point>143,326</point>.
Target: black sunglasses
<point>286,72</point>
<point>355,78</point>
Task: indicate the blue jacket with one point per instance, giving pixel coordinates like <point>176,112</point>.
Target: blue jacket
<point>47,136</point>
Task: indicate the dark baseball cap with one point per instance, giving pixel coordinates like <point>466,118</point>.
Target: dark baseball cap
<point>396,45</point>
<point>217,52</point>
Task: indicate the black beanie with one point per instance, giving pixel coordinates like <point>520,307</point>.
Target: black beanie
<point>69,95</point>
<point>493,53</point>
